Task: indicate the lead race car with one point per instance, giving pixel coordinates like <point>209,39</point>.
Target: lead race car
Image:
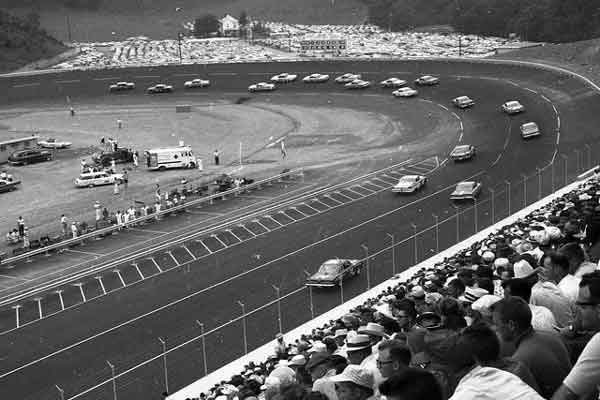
<point>284,78</point>
<point>332,272</point>
<point>315,78</point>
<point>261,87</point>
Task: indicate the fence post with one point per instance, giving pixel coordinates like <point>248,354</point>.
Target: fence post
<point>114,382</point>
<point>342,289</point>
<point>366,249</point>
<point>492,194</point>
<point>508,195</point>
<point>564,157</point>
<point>201,325</point>
<point>457,208</point>
<point>475,214</point>
<point>589,151</point>
<point>415,242</point>
<point>310,297</point>
<point>164,348</point>
<point>277,293</point>
<point>577,169</point>
<point>391,236</point>
<point>552,175</point>
<point>244,332</point>
<point>524,190</point>
<point>539,172</point>
<point>437,233</point>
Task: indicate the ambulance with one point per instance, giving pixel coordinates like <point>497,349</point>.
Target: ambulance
<point>171,157</point>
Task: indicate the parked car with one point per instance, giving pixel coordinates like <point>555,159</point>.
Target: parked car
<point>347,78</point>
<point>530,129</point>
<point>160,88</point>
<point>357,84</point>
<point>463,102</point>
<point>332,272</point>
<point>315,78</point>
<point>121,155</point>
<point>196,83</point>
<point>463,152</point>
<point>261,87</point>
<point>466,190</point>
<point>405,92</point>
<point>513,107</point>
<point>427,80</point>
<point>91,179</point>
<point>8,185</point>
<point>29,156</point>
<point>409,184</point>
<point>284,78</point>
<point>393,83</point>
<point>121,86</point>
<point>51,143</point>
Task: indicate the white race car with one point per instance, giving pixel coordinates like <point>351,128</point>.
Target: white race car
<point>404,92</point>
<point>427,80</point>
<point>463,152</point>
<point>393,82</point>
<point>346,78</point>
<point>315,78</point>
<point>530,129</point>
<point>51,143</point>
<point>409,184</point>
<point>284,78</point>
<point>463,102</point>
<point>160,88</point>
<point>513,107</point>
<point>357,84</point>
<point>261,87</point>
<point>119,86</point>
<point>196,83</point>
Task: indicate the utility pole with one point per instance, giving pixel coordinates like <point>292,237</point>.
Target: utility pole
<point>69,28</point>
<point>179,35</point>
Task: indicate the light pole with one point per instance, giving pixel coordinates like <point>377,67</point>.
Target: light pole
<point>366,249</point>
<point>277,293</point>
<point>201,325</point>
<point>552,175</point>
<point>244,326</point>
<point>416,250</point>
<point>164,347</point>
<point>114,382</point>
<point>310,297</point>
<point>457,208</point>
<point>492,194</point>
<point>577,152</point>
<point>475,214</point>
<point>68,31</point>
<point>437,233</point>
<point>391,236</point>
<point>564,157</point>
<point>179,37</point>
<point>539,172</point>
<point>508,195</point>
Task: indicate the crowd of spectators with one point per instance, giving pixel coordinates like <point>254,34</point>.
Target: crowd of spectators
<point>515,316</point>
<point>363,41</point>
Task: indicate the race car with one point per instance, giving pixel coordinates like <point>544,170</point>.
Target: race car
<point>160,88</point>
<point>120,86</point>
<point>530,129</point>
<point>409,184</point>
<point>261,87</point>
<point>29,156</point>
<point>315,78</point>
<point>513,107</point>
<point>463,152</point>
<point>196,83</point>
<point>357,84</point>
<point>463,102</point>
<point>427,80</point>
<point>404,92</point>
<point>8,185</point>
<point>99,178</point>
<point>51,143</point>
<point>332,272</point>
<point>393,82</point>
<point>284,78</point>
<point>121,155</point>
<point>466,190</point>
<point>347,78</point>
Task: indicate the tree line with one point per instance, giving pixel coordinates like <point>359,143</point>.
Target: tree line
<point>539,20</point>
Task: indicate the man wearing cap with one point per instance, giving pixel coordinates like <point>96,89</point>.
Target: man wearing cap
<point>321,368</point>
<point>354,383</point>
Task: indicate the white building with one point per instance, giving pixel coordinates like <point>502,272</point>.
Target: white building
<point>229,26</point>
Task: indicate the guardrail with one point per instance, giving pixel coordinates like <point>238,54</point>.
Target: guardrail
<point>110,229</point>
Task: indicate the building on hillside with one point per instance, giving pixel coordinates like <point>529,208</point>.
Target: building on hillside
<point>7,147</point>
<point>229,26</point>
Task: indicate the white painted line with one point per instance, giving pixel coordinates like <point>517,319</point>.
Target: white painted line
<point>558,122</point>
<point>320,202</point>
<point>99,279</point>
<point>156,264</point>
<point>26,85</point>
<point>253,196</point>
<point>223,73</point>
<point>206,247</point>
<point>557,137</point>
<point>69,81</point>
<point>274,220</point>
<point>300,212</point>
<point>14,277</point>
<point>247,230</point>
<point>545,98</point>
<point>460,138</point>
<point>234,235</point>
<point>173,257</point>
<point>554,156</point>
<point>189,252</point>
<point>109,78</point>
<point>332,199</point>
<point>381,179</point>
<point>312,208</point>
<point>456,115</point>
<point>444,107</point>
<point>343,195</point>
<point>373,184</point>
<point>146,76</point>
<point>461,126</point>
<point>257,222</point>
<point>147,230</point>
<point>184,74</point>
<point>88,253</point>
<point>531,90</point>
<point>216,237</point>
<point>289,217</point>
<point>116,271</point>
<point>137,268</point>
<point>497,159</point>
<point>196,212</point>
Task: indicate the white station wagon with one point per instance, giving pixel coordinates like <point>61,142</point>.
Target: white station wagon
<point>91,179</point>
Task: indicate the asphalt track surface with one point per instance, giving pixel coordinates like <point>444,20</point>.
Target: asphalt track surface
<point>71,348</point>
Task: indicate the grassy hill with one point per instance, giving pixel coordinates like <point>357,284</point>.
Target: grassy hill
<point>159,19</point>
<point>22,41</point>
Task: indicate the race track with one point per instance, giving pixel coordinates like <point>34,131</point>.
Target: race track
<point>204,277</point>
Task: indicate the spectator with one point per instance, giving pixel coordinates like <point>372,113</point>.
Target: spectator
<point>542,318</point>
<point>98,212</point>
<point>577,262</point>
<point>74,230</point>
<point>63,225</point>
<point>280,347</point>
<point>584,378</point>
<point>355,383</point>
<point>542,352</point>
<point>298,364</point>
<point>411,384</point>
<point>21,226</point>
<point>546,293</point>
<point>358,348</point>
<point>558,271</point>
<point>321,368</point>
<point>216,155</point>
<point>455,288</point>
<point>393,358</point>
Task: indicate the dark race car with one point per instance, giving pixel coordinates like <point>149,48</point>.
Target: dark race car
<point>121,155</point>
<point>29,156</point>
<point>332,272</point>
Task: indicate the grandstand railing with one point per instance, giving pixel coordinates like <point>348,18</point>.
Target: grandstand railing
<point>197,350</point>
<point>151,217</point>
